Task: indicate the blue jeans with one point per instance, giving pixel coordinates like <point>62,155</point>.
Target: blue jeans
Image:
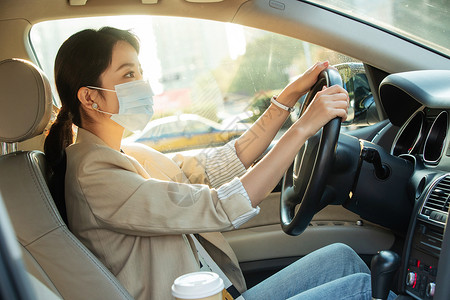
<point>332,272</point>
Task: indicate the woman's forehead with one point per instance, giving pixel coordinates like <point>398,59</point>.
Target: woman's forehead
<point>123,55</point>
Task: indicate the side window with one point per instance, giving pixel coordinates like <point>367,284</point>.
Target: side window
<point>220,72</point>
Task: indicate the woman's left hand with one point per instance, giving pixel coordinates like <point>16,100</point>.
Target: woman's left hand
<point>292,92</point>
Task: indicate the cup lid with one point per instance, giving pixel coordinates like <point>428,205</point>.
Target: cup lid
<point>196,285</point>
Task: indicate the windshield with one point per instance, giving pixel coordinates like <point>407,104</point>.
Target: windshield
<point>424,21</point>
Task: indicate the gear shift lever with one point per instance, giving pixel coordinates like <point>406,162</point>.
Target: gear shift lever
<point>383,267</point>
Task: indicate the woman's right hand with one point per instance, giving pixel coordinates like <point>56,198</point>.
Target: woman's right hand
<point>327,104</point>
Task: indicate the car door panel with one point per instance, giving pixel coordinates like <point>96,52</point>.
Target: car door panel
<point>262,237</point>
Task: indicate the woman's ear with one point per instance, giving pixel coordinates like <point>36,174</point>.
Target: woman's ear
<point>87,97</point>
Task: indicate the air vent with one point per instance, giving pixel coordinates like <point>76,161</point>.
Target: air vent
<point>437,203</point>
<point>438,198</point>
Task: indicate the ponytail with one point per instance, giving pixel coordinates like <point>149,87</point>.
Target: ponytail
<point>59,138</point>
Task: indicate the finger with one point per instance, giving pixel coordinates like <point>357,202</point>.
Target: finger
<point>334,68</point>
<point>329,104</point>
<point>338,100</point>
<point>333,97</point>
<point>341,105</point>
<point>320,66</point>
<point>317,68</point>
<point>342,113</point>
<point>330,96</point>
<point>338,113</point>
<point>335,89</point>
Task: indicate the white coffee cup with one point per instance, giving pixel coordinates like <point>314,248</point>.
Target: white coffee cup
<point>199,286</point>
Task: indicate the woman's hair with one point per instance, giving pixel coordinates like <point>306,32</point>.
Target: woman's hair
<point>80,61</point>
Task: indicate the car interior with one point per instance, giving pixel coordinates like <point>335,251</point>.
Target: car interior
<point>380,185</point>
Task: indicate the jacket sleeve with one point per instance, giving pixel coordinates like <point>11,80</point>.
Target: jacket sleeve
<point>123,200</point>
<point>213,166</point>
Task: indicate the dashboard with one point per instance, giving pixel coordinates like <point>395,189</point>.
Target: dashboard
<point>419,103</point>
<point>425,135</point>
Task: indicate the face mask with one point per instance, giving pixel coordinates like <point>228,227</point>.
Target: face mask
<point>135,104</point>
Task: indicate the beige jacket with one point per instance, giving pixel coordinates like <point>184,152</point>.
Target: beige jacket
<point>133,214</point>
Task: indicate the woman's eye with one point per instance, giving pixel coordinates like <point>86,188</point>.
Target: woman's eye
<point>130,75</point>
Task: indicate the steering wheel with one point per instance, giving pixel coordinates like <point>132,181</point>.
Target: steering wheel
<point>316,157</point>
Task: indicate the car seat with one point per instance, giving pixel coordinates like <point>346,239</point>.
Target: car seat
<point>52,254</point>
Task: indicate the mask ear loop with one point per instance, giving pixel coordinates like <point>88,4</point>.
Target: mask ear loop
<point>95,105</point>
<point>99,88</point>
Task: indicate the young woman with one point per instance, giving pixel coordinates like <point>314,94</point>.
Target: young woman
<point>135,208</point>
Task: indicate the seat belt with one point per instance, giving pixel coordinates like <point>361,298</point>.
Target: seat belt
<point>208,264</point>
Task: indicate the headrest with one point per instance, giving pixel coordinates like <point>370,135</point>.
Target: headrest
<point>25,100</point>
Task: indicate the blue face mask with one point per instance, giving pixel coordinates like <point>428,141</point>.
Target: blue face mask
<point>135,104</point>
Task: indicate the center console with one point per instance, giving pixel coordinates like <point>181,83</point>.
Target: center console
<point>422,257</point>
